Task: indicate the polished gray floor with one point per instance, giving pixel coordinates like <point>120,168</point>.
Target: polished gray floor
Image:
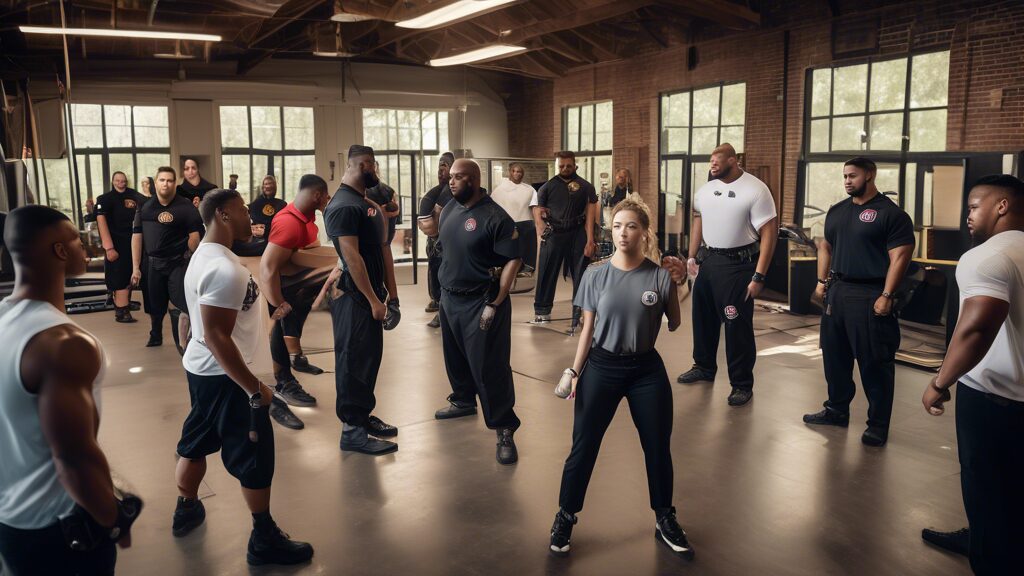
<point>757,491</point>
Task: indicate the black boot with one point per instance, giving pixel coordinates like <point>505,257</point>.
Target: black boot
<point>301,364</point>
<point>506,452</point>
<point>268,544</point>
<point>123,315</point>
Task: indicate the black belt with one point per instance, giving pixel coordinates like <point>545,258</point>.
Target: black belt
<point>739,253</point>
<point>868,281</point>
<point>478,291</point>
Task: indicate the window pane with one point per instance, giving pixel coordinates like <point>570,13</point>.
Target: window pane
<point>604,126</point>
<point>572,129</point>
<point>259,170</point>
<point>298,128</point>
<point>587,128</point>
<point>824,188</point>
<point>819,135</point>
<point>887,180</point>
<point>849,94</point>
<point>886,131</point>
<point>295,167</point>
<point>121,163</point>
<point>58,185</point>
<point>704,140</point>
<point>429,123</point>
<point>266,127</point>
<point>821,91</point>
<point>910,193</point>
<point>90,175</point>
<point>847,132</point>
<point>234,127</point>
<point>698,176</point>
<point>375,137</point>
<point>679,109</point>
<point>733,135</point>
<point>442,127</point>
<point>239,164</point>
<point>929,80</point>
<point>676,140</point>
<point>374,117</point>
<point>928,131</point>
<point>888,85</point>
<point>734,104</point>
<point>409,138</point>
<point>87,121</point>
<point>705,108</point>
<point>118,121</point>
<point>147,165</point>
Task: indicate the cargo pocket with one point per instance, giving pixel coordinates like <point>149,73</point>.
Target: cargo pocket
<point>884,332</point>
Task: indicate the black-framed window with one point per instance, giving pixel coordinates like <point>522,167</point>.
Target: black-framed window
<point>261,140</point>
<point>587,131</point>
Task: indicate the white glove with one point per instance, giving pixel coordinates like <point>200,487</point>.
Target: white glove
<point>564,387</point>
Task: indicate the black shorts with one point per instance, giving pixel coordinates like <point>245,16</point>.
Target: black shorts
<point>118,274</point>
<point>220,420</point>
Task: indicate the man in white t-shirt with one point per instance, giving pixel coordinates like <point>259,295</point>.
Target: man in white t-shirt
<point>515,196</point>
<point>230,406</point>
<point>734,218</point>
<point>986,356</point>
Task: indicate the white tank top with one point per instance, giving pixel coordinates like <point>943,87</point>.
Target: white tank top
<point>31,495</point>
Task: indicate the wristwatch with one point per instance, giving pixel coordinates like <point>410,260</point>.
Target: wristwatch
<point>758,277</point>
<point>887,295</point>
<point>256,399</point>
<point>820,281</point>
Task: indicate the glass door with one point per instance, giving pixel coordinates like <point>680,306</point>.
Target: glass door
<point>675,221</point>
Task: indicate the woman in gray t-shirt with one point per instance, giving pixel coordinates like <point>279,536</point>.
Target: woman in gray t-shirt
<point>623,302</point>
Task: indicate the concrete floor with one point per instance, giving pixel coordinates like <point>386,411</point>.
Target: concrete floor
<point>757,491</point>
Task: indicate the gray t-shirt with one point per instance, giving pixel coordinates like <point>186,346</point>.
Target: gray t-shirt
<point>628,305</point>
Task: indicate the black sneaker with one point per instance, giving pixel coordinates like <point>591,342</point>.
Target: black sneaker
<point>561,531</point>
<point>431,307</point>
<point>696,374</point>
<point>283,415</point>
<point>669,533</point>
<point>155,340</point>
<point>187,516</point>
<point>875,436</point>
<point>506,452</point>
<point>542,318</point>
<point>301,364</point>
<point>455,410</point>
<point>828,417</point>
<point>276,547</point>
<point>377,427</point>
<point>958,542</point>
<point>124,315</point>
<point>357,440</point>
<point>435,322</point>
<point>291,391</point>
<point>740,396</point>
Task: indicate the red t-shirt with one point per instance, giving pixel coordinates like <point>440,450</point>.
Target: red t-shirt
<point>292,229</point>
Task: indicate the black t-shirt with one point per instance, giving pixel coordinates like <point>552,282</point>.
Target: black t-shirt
<point>438,195</point>
<point>566,201</point>
<point>119,209</point>
<point>254,247</point>
<point>263,209</point>
<point>475,240</point>
<point>165,229</point>
<point>351,214</point>
<point>861,236</point>
<point>383,195</point>
<point>189,191</point>
<point>618,196</point>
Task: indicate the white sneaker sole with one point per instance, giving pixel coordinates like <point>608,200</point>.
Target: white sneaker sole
<point>559,551</point>
<point>681,550</point>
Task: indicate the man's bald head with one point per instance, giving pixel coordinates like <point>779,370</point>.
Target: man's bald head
<point>464,180</point>
<point>724,162</point>
<point>39,236</point>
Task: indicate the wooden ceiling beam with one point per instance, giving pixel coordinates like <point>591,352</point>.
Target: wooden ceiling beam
<point>726,14</point>
<point>599,49</point>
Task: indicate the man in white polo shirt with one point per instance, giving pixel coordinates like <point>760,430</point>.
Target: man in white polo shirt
<point>985,356</point>
<point>734,218</point>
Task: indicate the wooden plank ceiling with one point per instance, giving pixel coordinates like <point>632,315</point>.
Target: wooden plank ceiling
<point>559,35</point>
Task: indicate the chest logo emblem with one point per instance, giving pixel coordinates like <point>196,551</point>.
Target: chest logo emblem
<point>731,312</point>
<point>649,298</point>
<point>868,215</point>
<point>371,212</point>
<point>718,192</point>
<point>574,187</point>
<point>470,224</point>
<point>129,204</point>
<point>732,194</point>
<point>165,218</point>
<point>268,210</point>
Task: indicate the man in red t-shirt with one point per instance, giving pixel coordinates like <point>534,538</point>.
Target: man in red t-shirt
<point>290,291</point>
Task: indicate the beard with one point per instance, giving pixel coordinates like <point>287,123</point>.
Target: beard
<point>370,179</point>
<point>463,196</point>
<point>858,192</point>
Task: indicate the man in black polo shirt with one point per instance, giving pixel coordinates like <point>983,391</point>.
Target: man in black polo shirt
<point>476,314</point>
<point>169,227</point>
<point>868,244</point>
<point>263,209</point>
<point>356,226</point>
<point>430,206</point>
<point>115,217</point>
<point>568,243</point>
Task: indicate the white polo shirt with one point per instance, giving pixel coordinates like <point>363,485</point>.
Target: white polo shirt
<point>514,198</point>
<point>996,269</point>
<point>732,214</point>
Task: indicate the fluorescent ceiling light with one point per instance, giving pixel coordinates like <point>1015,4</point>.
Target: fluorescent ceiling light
<point>485,53</point>
<point>332,54</point>
<point>452,12</point>
<point>151,34</point>
<point>174,56</point>
<point>350,17</point>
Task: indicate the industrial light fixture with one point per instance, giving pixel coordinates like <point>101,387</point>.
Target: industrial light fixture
<point>456,11</point>
<point>322,54</point>
<point>111,33</point>
<point>485,53</point>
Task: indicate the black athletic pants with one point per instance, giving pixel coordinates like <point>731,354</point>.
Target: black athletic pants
<point>990,439</point>
<point>605,380</point>
<point>433,269</point>
<point>299,290</point>
<point>850,331</point>
<point>44,552</point>
<point>166,283</point>
<point>478,362</point>
<point>720,296</point>
<point>528,242</point>
<point>561,251</point>
<point>358,350</point>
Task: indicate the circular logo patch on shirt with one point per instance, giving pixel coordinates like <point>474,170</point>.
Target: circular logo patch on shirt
<point>470,224</point>
<point>649,298</point>
<point>269,210</point>
<point>165,218</point>
<point>574,187</point>
<point>731,312</point>
<point>868,215</point>
<point>371,212</point>
<point>129,204</point>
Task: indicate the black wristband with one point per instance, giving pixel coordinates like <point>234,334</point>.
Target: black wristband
<point>393,300</point>
<point>757,277</point>
<point>820,281</point>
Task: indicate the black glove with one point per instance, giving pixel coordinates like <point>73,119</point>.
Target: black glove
<point>393,316</point>
<point>82,533</point>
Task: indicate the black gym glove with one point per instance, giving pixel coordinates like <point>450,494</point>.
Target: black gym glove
<point>82,533</point>
<point>393,316</point>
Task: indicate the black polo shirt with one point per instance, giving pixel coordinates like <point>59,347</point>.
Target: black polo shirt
<point>119,209</point>
<point>383,195</point>
<point>438,195</point>
<point>351,214</point>
<point>263,209</point>
<point>567,201</point>
<point>861,236</point>
<point>165,229</point>
<point>475,240</point>
<point>189,191</point>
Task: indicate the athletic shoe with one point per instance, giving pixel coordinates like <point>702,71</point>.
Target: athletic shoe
<point>696,374</point>
<point>187,517</point>
<point>669,533</point>
<point>301,364</point>
<point>283,415</point>
<point>455,410</point>
<point>958,542</point>
<point>506,452</point>
<point>275,547</point>
<point>828,417</point>
<point>291,391</point>
<point>542,318</point>
<point>124,316</point>
<point>875,436</point>
<point>357,440</point>
<point>377,427</point>
<point>740,396</point>
<point>155,340</point>
<point>561,531</point>
<point>431,307</point>
<point>435,322</point>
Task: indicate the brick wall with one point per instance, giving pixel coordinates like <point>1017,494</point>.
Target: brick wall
<point>986,86</point>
